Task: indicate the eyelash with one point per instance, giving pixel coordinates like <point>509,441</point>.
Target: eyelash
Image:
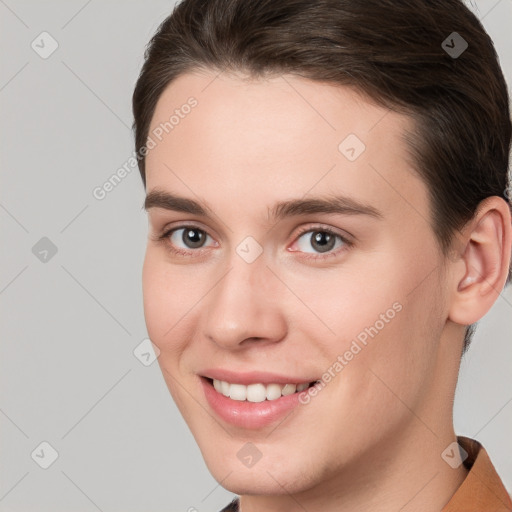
<point>164,237</point>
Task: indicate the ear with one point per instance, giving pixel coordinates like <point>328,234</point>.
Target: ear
<point>481,267</point>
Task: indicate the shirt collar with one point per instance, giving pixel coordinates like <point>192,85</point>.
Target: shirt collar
<point>482,488</point>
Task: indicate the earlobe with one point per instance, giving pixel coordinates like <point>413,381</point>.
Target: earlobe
<point>486,261</point>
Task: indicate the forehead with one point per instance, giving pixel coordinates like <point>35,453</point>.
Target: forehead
<point>219,136</point>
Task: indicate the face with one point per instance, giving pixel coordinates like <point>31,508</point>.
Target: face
<point>290,243</point>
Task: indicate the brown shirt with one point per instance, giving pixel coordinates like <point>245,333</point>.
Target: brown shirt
<point>481,491</point>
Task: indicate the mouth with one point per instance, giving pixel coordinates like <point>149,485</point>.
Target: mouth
<point>258,391</point>
<point>253,399</point>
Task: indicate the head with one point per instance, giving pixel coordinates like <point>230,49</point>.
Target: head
<point>292,118</point>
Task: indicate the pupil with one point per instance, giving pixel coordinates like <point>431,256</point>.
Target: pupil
<point>322,241</point>
<point>193,237</point>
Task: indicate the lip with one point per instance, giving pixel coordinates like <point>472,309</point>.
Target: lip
<point>253,377</point>
<point>249,415</point>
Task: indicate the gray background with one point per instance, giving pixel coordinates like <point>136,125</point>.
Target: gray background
<point>70,324</point>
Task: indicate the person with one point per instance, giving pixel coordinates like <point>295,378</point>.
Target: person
<point>326,188</point>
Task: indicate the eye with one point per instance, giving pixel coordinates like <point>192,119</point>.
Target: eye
<point>322,240</point>
<point>185,240</point>
<point>189,240</point>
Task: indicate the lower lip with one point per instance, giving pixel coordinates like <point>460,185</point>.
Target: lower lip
<point>245,414</point>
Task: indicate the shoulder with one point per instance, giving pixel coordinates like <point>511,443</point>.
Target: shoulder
<point>231,507</point>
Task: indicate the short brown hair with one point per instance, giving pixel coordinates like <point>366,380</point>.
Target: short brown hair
<point>390,50</point>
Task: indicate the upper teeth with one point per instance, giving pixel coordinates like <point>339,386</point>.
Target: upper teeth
<point>256,392</point>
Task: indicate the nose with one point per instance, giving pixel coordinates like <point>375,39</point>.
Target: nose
<point>244,306</point>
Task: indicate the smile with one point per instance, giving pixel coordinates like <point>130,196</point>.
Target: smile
<point>261,400</point>
<point>258,392</point>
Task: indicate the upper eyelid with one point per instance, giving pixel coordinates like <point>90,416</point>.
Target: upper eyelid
<point>168,230</point>
<point>199,224</point>
<point>324,227</point>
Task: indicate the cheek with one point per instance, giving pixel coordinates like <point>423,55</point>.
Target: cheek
<point>154,298</point>
<point>384,321</point>
<point>166,301</point>
<point>166,297</point>
<point>398,363</point>
<point>349,302</point>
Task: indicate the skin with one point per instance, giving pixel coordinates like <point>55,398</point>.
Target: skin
<point>372,438</point>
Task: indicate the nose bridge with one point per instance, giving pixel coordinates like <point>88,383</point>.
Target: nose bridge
<point>242,304</point>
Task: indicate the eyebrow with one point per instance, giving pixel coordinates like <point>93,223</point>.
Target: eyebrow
<point>334,204</point>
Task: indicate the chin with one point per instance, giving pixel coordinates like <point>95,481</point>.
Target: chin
<point>274,475</point>
<point>261,482</point>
